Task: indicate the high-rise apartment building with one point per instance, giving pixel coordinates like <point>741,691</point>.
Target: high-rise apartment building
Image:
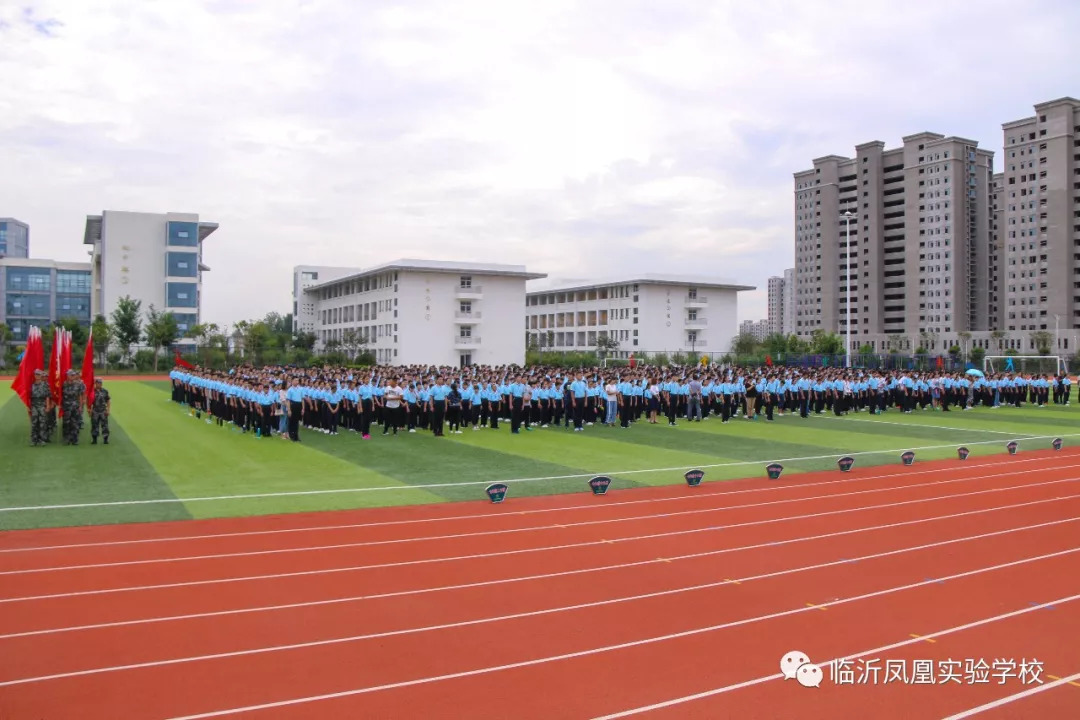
<point>776,305</point>
<point>1039,229</point>
<point>14,238</point>
<point>757,329</point>
<point>153,257</point>
<point>789,302</point>
<point>918,219</point>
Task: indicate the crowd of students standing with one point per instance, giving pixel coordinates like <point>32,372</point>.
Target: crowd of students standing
<point>280,400</point>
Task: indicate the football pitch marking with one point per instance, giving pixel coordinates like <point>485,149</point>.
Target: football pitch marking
<point>474,483</point>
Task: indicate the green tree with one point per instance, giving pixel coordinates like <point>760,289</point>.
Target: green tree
<point>161,331</point>
<point>127,324</point>
<point>744,345</point>
<point>305,341</point>
<point>257,339</point>
<point>1042,340</point>
<point>102,333</point>
<point>605,344</point>
<point>823,343</point>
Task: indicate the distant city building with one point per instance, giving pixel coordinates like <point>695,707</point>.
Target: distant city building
<point>43,292</point>
<point>758,329</point>
<point>646,314</point>
<point>780,292</point>
<point>417,311</point>
<point>14,238</point>
<point>789,302</point>
<point>1039,225</point>
<point>156,258</point>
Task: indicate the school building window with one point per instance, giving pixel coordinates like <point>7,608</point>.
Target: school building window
<point>182,295</point>
<point>182,264</point>
<point>185,321</point>
<point>74,306</point>
<point>184,234</point>
<point>28,305</point>
<point>73,282</point>
<point>31,279</point>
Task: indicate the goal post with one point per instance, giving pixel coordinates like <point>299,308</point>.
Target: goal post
<point>1024,364</point>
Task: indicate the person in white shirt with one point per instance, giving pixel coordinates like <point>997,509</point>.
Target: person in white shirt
<point>611,393</point>
<point>392,409</point>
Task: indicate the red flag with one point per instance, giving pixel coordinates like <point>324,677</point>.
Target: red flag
<point>88,371</point>
<point>181,362</point>
<point>633,363</point>
<point>31,361</point>
<point>768,360</point>
<point>56,378</point>
<point>940,364</point>
<point>65,355</point>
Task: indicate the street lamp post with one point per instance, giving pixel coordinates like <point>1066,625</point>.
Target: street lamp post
<point>847,219</point>
<point>1057,336</point>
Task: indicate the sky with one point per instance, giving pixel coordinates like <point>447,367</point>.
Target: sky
<point>584,139</point>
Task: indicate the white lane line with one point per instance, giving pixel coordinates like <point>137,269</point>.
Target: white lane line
<point>503,553</point>
<point>921,425</point>
<point>489,515</point>
<point>526,578</point>
<point>509,531</point>
<point>425,486</point>
<point>538,613</point>
<point>1014,697</point>
<point>637,643</point>
<point>864,653</point>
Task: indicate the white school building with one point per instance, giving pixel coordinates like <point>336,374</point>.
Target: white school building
<point>647,314</point>
<point>417,311</point>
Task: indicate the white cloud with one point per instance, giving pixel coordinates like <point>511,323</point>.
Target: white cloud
<point>578,138</point>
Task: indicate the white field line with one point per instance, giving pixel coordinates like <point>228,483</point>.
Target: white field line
<point>504,553</point>
<point>1014,697</point>
<point>618,503</point>
<point>919,425</point>
<point>874,652</point>
<point>424,486</point>
<point>509,531</point>
<point>658,639</point>
<point>526,578</point>
<point>569,608</point>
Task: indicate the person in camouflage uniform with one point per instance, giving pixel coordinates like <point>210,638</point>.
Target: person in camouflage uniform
<point>71,403</point>
<point>99,414</point>
<point>40,405</point>
<point>50,416</point>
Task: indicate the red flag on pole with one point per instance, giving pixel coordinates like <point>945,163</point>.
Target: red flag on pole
<point>940,364</point>
<point>56,379</point>
<point>88,371</point>
<point>65,356</point>
<point>633,362</point>
<point>31,361</point>
<point>768,360</point>
<point>181,362</point>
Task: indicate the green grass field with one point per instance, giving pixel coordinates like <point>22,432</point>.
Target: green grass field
<point>162,464</point>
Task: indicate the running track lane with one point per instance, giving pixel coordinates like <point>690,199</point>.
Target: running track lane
<point>218,593</point>
<point>650,619</point>
<point>52,653</point>
<point>587,685</point>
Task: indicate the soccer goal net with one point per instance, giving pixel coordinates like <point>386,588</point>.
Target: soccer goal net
<point>1025,364</point>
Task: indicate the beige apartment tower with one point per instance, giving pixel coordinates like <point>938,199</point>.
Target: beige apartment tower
<point>920,240</point>
<point>1039,225</point>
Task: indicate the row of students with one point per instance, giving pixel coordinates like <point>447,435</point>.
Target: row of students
<point>282,400</point>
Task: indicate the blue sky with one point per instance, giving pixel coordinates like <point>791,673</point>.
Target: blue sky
<point>578,138</point>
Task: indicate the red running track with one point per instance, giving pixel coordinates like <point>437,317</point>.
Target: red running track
<point>661,602</point>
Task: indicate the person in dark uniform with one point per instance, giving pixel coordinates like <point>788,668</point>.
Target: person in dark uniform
<point>100,410</point>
